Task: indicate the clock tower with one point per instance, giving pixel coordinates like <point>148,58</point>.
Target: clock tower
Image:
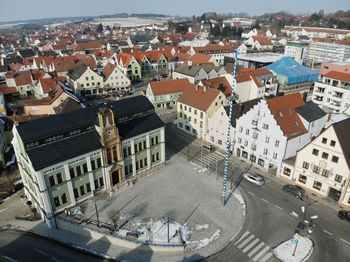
<point>111,147</point>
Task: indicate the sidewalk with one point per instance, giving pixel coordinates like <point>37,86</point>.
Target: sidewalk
<point>281,181</point>
<point>297,249</point>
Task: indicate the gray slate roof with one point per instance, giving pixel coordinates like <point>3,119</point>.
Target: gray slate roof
<point>78,72</point>
<point>342,129</point>
<point>310,111</point>
<point>240,109</point>
<point>76,145</point>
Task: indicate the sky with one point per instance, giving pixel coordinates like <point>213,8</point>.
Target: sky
<point>11,10</point>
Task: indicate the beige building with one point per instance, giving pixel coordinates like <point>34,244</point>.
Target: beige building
<point>195,106</point>
<point>115,79</point>
<point>323,166</point>
<point>84,81</point>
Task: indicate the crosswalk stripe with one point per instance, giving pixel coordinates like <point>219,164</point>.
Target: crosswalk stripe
<point>242,237</point>
<point>246,241</point>
<point>250,245</point>
<point>261,253</point>
<point>265,258</point>
<point>256,249</point>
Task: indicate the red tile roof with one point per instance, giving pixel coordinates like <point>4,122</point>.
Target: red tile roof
<point>107,71</point>
<point>283,110</point>
<point>200,59</point>
<point>263,40</point>
<point>199,97</point>
<point>338,75</point>
<point>170,86</point>
<point>213,48</point>
<point>219,83</point>
<point>125,58</point>
<point>6,90</point>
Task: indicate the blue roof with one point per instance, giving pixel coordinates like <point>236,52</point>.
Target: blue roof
<point>293,71</point>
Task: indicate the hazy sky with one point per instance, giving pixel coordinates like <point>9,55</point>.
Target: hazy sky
<point>29,9</point>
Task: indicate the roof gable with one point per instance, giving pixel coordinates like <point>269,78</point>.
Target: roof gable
<point>283,108</point>
<point>199,97</point>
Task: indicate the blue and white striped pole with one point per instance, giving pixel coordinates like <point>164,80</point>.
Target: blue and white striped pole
<point>228,138</point>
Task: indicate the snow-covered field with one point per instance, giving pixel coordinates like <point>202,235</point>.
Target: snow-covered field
<point>127,22</point>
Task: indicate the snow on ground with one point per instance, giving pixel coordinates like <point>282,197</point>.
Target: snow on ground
<point>206,241</point>
<point>200,227</point>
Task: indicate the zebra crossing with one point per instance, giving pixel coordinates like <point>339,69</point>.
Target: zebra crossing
<point>254,248</point>
<point>212,158</point>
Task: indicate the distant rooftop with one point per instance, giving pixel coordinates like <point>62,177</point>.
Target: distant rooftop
<point>267,57</point>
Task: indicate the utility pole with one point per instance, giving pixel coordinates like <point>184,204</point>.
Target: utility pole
<point>228,138</point>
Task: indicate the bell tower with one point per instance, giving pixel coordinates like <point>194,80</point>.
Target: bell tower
<point>111,146</point>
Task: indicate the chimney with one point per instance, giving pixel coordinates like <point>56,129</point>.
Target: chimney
<point>196,88</point>
<point>204,89</point>
<point>189,62</point>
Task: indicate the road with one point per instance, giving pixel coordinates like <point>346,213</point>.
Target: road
<point>269,220</point>
<point>18,246</point>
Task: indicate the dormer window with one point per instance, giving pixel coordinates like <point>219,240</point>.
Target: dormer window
<point>280,114</point>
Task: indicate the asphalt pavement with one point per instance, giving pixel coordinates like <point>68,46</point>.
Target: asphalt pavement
<point>18,246</point>
<point>270,219</point>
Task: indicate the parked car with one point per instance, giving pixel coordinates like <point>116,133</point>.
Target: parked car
<point>344,215</point>
<point>295,190</point>
<point>254,178</point>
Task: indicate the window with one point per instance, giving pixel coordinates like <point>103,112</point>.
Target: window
<point>316,169</point>
<point>240,129</point>
<point>141,163</point>
<point>64,198</point>
<point>86,78</point>
<point>57,201</point>
<point>71,173</point>
<point>98,162</point>
<point>124,152</point>
<point>78,170</point>
<point>93,164</point>
<point>52,181</point>
<point>302,179</point>
<point>254,123</point>
<point>157,140</point>
<point>140,146</point>
<point>265,151</point>
<point>85,169</point>
<point>306,165</point>
<point>76,194</point>
<point>220,142</point>
<point>324,155</point>
<point>96,183</point>
<point>317,185</point>
<point>325,172</point>
<point>247,131</point>
<point>324,140</point>
<point>152,141</point>
<point>135,148</point>
<point>338,178</point>
<point>189,109</point>
<point>265,126</point>
<point>239,140</point>
<point>286,171</point>
<point>246,143</point>
<point>274,156</point>
<point>201,115</point>
<point>129,150</point>
<point>267,139</point>
<point>195,111</point>
<point>82,190</point>
<point>88,188</point>
<point>277,143</point>
<point>332,143</point>
<point>59,178</point>
<point>335,159</point>
<point>153,158</point>
<point>101,181</point>
<point>315,152</point>
<point>137,165</point>
<point>255,135</point>
<point>253,147</point>
<point>157,156</point>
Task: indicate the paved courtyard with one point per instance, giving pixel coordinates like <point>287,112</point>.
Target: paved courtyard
<point>187,196</point>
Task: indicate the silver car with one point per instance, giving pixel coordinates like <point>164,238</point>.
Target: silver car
<point>254,178</point>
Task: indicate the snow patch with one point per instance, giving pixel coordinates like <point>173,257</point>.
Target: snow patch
<point>201,227</point>
<point>206,241</point>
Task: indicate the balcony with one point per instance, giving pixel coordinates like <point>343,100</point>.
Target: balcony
<point>319,91</point>
<point>337,98</point>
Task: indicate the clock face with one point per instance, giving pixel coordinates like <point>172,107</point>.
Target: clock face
<point>109,132</point>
